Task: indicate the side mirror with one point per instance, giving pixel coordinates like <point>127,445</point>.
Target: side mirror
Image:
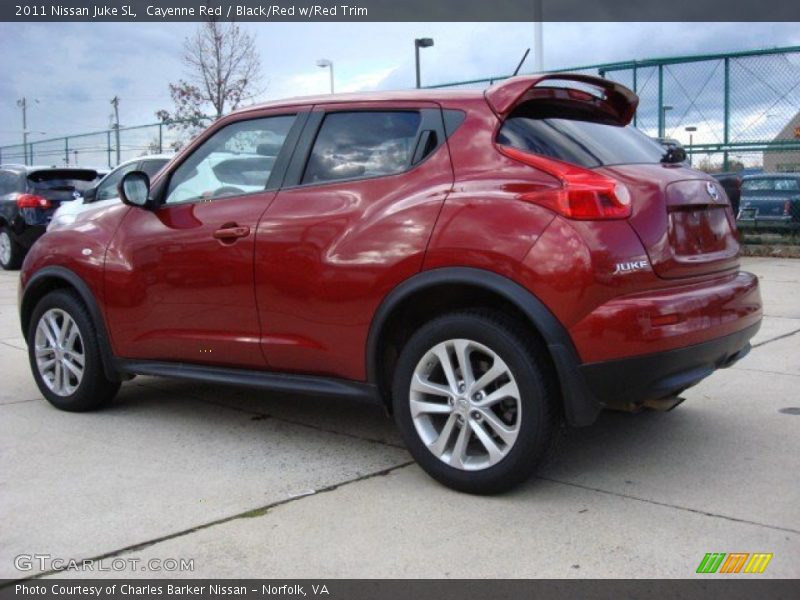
<point>134,188</point>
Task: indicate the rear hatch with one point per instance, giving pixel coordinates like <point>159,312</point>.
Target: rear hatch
<point>682,216</point>
<point>60,185</point>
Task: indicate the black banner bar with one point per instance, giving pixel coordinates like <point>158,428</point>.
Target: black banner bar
<point>400,10</point>
<point>730,588</point>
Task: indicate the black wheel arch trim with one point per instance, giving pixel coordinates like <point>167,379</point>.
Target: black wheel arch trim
<point>581,407</point>
<point>83,290</point>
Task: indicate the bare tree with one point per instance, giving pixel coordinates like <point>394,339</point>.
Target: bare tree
<point>223,70</point>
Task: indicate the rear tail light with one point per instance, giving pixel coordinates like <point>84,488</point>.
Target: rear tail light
<point>32,201</point>
<point>584,194</point>
<point>787,209</point>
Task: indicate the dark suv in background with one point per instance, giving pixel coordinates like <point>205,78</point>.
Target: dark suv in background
<point>28,198</point>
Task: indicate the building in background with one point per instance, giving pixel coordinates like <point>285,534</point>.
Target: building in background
<point>777,161</point>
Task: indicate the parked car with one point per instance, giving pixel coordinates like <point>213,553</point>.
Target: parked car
<point>28,198</point>
<point>732,184</point>
<point>104,193</point>
<point>770,201</point>
<point>488,265</point>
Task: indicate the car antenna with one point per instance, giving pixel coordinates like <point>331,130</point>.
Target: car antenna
<point>519,66</point>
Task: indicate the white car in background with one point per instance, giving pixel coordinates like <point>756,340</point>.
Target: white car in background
<point>105,192</point>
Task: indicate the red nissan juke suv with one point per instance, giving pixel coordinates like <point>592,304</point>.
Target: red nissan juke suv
<point>490,265</point>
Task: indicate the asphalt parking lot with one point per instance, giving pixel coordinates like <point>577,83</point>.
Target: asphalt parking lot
<point>250,484</point>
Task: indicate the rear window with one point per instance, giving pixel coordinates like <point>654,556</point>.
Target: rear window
<point>581,142</point>
<point>772,184</point>
<point>62,181</point>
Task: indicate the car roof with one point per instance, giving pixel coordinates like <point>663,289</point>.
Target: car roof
<point>145,157</point>
<point>421,95</point>
<point>35,168</point>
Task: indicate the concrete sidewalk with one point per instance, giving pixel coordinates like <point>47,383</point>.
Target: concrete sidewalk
<point>257,485</point>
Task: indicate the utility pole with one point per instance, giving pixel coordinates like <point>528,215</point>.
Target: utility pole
<point>23,104</point>
<point>115,104</point>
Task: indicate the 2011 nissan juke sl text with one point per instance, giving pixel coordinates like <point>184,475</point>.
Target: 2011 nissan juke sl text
<point>491,265</point>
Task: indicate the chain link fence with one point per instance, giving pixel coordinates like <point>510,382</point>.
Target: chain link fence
<point>106,148</point>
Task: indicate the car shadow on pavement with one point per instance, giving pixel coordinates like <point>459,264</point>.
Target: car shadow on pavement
<point>620,447</point>
<point>626,448</point>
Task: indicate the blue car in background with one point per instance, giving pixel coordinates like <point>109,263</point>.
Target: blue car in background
<point>770,201</point>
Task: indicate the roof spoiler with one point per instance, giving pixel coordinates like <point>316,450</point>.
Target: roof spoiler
<point>613,101</point>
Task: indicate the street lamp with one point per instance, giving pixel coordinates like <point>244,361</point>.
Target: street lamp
<point>691,129</point>
<point>420,43</point>
<point>28,144</point>
<point>664,110</point>
<point>324,62</point>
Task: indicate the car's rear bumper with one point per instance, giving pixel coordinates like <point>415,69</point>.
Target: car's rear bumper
<point>668,318</point>
<point>629,382</point>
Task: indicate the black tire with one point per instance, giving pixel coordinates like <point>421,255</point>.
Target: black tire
<point>13,260</point>
<point>94,389</point>
<point>541,415</point>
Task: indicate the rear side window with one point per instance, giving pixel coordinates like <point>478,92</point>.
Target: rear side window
<point>61,180</point>
<point>362,144</point>
<point>581,142</point>
<point>772,184</point>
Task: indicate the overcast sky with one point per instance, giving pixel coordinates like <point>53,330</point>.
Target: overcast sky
<point>73,70</point>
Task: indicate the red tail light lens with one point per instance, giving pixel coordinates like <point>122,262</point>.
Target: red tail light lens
<point>584,194</point>
<point>32,201</point>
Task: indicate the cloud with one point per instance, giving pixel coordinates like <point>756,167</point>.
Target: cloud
<point>82,66</point>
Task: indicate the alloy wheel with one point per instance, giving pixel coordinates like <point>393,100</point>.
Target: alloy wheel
<point>5,248</point>
<point>60,356</point>
<point>465,404</point>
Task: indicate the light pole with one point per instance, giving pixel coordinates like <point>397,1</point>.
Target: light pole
<point>420,43</point>
<point>29,144</point>
<point>23,104</point>
<point>538,41</point>
<point>324,62</point>
<point>691,129</point>
<point>664,110</point>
